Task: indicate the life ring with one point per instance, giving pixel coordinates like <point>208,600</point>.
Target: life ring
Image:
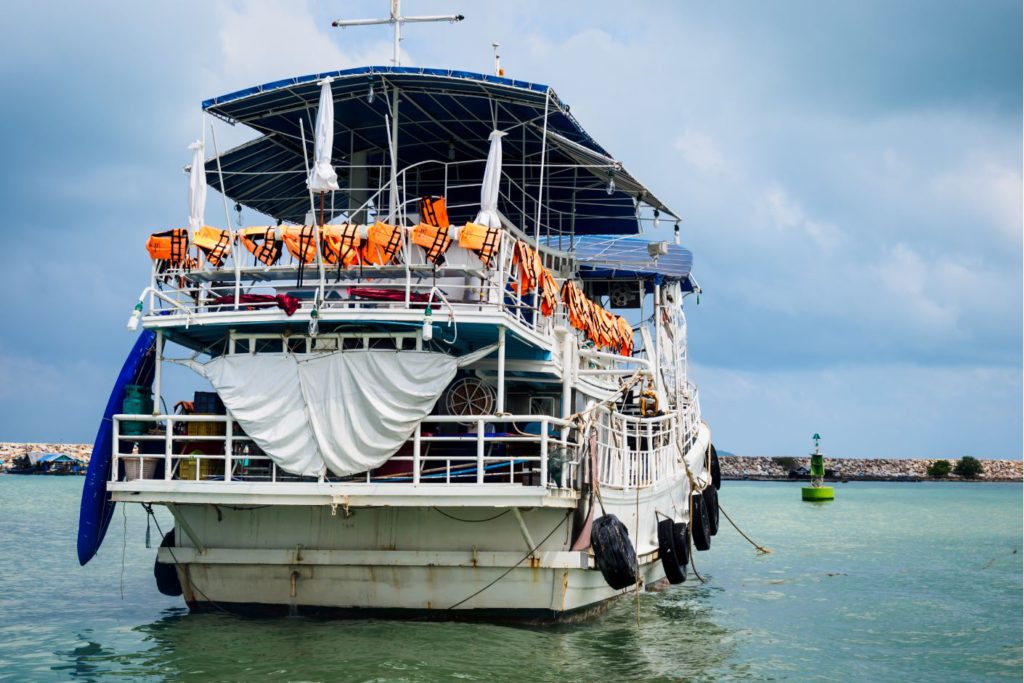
<point>711,502</point>
<point>700,525</point>
<point>681,536</point>
<point>716,469</point>
<point>165,573</point>
<point>667,552</point>
<point>613,552</point>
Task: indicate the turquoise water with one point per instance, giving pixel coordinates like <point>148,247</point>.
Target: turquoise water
<point>890,582</point>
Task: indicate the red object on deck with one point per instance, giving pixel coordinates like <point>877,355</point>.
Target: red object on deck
<point>288,304</point>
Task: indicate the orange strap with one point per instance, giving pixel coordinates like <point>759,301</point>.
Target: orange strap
<point>215,244</point>
<point>482,240</point>
<point>170,246</point>
<point>382,243</point>
<point>262,243</point>
<point>432,238</point>
<point>340,244</point>
<point>434,211</point>
<point>300,243</point>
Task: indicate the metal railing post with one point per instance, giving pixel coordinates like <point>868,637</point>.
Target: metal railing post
<point>115,445</point>
<point>416,445</point>
<point>544,452</point>
<point>168,448</point>
<point>479,451</point>
<point>229,445</point>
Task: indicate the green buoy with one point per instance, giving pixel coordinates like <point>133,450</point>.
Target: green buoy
<point>817,490</point>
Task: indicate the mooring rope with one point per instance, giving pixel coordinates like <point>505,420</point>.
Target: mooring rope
<point>761,550</point>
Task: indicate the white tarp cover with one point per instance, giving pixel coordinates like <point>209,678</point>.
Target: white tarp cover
<point>488,215</point>
<point>265,398</point>
<point>196,187</point>
<point>322,177</point>
<point>347,412</point>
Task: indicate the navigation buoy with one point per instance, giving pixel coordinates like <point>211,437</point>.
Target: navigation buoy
<point>817,490</point>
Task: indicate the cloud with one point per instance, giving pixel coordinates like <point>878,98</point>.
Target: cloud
<point>701,153</point>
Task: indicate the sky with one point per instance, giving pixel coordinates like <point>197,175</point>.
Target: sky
<point>849,176</point>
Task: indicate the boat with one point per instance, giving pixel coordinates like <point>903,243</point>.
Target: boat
<point>53,464</point>
<point>449,380</point>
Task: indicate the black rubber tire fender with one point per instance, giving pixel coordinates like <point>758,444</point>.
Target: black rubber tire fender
<point>711,502</point>
<point>667,552</point>
<point>613,552</point>
<point>681,537</point>
<point>716,469</point>
<point>165,573</point>
<point>700,525</point>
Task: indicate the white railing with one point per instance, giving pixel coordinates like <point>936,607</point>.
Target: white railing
<point>193,295</point>
<point>213,448</point>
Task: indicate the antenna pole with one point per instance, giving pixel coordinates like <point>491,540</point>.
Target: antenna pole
<point>396,20</point>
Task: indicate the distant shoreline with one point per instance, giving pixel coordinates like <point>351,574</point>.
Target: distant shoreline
<point>763,468</point>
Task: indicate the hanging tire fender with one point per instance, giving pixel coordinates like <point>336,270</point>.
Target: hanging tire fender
<point>165,573</point>
<point>711,503</point>
<point>674,571</point>
<point>716,469</point>
<point>681,537</point>
<point>700,525</point>
<point>613,552</point>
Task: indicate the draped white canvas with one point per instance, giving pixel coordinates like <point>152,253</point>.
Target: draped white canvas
<point>363,405</point>
<point>264,396</point>
<point>346,412</point>
<point>322,177</point>
<point>196,187</point>
<point>488,215</point>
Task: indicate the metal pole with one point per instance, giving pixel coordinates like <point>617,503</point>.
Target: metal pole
<point>501,370</point>
<point>227,219</point>
<point>157,370</point>
<point>396,14</point>
<point>543,157</point>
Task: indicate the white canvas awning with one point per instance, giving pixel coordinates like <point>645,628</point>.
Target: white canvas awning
<point>196,187</point>
<point>322,177</point>
<point>488,215</point>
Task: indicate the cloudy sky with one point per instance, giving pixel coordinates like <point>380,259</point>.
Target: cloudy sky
<point>849,175</point>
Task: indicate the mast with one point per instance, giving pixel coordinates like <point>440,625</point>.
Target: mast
<point>396,20</point>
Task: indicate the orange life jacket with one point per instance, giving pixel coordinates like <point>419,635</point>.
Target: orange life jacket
<point>575,305</point>
<point>215,244</point>
<point>170,246</point>
<point>340,244</point>
<point>382,243</point>
<point>484,241</point>
<point>548,293</point>
<point>299,239</point>
<point>530,267</point>
<point>607,328</point>
<point>432,238</point>
<point>262,243</point>
<point>434,212</point>
<point>625,336</point>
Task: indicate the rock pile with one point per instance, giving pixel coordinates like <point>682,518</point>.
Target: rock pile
<point>11,451</point>
<point>748,467</point>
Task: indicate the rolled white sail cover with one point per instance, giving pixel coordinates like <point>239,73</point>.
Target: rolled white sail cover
<point>348,412</point>
<point>196,187</point>
<point>322,177</point>
<point>265,398</point>
<point>363,405</point>
<point>488,215</point>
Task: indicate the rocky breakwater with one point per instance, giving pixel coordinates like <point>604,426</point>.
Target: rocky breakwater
<point>11,451</point>
<point>882,469</point>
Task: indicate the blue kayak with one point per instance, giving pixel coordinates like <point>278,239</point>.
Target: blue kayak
<point>97,507</point>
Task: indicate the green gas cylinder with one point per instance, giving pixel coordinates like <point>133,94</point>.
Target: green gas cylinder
<point>138,400</point>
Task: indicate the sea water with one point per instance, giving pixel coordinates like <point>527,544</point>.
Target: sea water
<point>889,582</point>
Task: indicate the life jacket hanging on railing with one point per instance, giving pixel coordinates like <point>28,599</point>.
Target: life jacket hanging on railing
<point>548,293</point>
<point>215,244</point>
<point>527,260</point>
<point>434,211</point>
<point>382,243</point>
<point>300,242</point>
<point>262,243</point>
<point>575,305</point>
<point>434,239</point>
<point>170,247</point>
<point>625,340</point>
<point>482,240</point>
<point>607,328</point>
<point>340,245</point>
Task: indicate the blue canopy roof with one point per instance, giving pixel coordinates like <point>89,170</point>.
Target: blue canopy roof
<point>603,257</point>
<point>443,115</point>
